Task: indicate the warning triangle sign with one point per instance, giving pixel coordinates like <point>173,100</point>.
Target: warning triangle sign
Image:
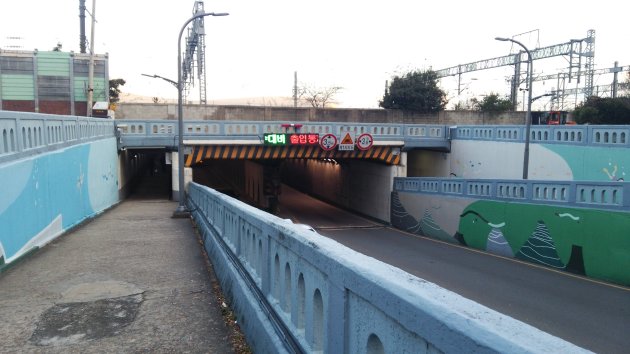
<point>347,139</point>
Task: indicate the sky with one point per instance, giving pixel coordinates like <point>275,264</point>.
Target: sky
<point>352,44</point>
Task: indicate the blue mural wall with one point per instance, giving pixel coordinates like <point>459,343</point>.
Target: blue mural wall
<point>44,195</point>
<point>504,160</point>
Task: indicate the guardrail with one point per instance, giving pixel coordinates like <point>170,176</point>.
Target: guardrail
<point>23,134</point>
<point>584,194</point>
<point>295,291</point>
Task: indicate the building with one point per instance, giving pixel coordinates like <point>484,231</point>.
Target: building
<point>50,81</point>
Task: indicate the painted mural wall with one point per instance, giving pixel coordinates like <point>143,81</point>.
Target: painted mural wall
<point>504,160</point>
<point>45,195</point>
<point>590,242</point>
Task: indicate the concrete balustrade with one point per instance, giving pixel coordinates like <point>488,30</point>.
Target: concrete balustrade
<point>23,134</point>
<point>296,291</point>
<point>607,195</point>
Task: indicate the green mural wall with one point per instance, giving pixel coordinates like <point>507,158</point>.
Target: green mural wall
<point>595,243</point>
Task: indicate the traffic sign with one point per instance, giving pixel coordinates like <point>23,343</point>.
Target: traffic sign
<point>347,143</point>
<point>328,142</point>
<point>365,141</point>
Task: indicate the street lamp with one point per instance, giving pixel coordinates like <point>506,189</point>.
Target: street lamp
<point>163,78</point>
<point>528,118</point>
<point>181,210</point>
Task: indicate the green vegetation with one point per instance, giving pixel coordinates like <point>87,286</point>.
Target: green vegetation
<point>415,91</point>
<point>114,89</point>
<point>492,103</point>
<point>597,110</point>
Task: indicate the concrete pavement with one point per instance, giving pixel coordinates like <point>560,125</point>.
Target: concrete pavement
<point>131,280</point>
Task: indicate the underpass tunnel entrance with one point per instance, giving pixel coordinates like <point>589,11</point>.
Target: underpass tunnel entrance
<point>356,180</point>
<point>145,173</point>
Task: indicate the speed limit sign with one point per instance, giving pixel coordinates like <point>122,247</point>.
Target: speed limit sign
<point>365,141</point>
<point>328,141</point>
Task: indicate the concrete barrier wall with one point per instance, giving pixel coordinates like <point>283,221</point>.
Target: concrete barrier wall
<point>235,113</point>
<point>45,194</point>
<point>362,186</point>
<point>296,291</point>
<point>579,227</point>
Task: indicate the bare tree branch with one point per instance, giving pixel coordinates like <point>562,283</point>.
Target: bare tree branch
<point>318,97</point>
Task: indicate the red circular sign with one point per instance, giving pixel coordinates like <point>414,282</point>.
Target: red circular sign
<point>365,141</point>
<point>328,142</point>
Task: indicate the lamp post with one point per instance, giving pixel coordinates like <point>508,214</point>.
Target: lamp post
<point>528,117</point>
<point>163,78</point>
<point>181,210</point>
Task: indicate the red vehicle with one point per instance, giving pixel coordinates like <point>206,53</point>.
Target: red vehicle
<point>551,118</point>
<point>555,118</point>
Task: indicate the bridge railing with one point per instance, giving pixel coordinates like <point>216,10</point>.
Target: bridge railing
<point>139,133</point>
<point>585,194</point>
<point>596,135</point>
<point>24,133</point>
<point>156,132</point>
<point>297,291</point>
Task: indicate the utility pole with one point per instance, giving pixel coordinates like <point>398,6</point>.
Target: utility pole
<point>82,38</point>
<point>295,89</point>
<point>90,89</point>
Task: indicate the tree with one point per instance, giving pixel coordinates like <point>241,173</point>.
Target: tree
<point>416,91</point>
<point>626,88</point>
<point>318,97</point>
<point>492,103</point>
<point>597,110</point>
<point>114,89</point>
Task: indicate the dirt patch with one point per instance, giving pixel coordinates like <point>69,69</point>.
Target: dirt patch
<point>82,321</point>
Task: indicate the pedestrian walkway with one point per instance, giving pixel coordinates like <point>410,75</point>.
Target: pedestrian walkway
<point>131,280</point>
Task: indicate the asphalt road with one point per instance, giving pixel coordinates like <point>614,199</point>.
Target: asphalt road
<point>591,314</point>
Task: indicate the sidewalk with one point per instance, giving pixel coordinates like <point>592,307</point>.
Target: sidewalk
<point>131,280</point>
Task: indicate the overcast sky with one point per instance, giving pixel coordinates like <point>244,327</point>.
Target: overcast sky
<point>357,45</point>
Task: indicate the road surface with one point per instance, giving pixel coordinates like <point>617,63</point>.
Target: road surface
<point>591,314</point>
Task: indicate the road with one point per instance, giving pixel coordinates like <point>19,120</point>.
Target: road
<point>591,314</point>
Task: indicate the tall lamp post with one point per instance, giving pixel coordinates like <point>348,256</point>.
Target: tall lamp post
<point>181,210</point>
<point>528,117</point>
<point>163,78</point>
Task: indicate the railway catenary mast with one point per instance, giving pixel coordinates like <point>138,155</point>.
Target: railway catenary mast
<point>574,49</point>
<point>195,56</point>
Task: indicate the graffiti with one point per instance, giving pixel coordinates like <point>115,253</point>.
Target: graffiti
<point>425,227</point>
<point>431,229</point>
<point>612,175</point>
<point>497,244</point>
<point>540,248</point>
<point>568,215</point>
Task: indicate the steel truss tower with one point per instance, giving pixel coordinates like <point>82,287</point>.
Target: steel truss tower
<point>574,49</point>
<point>195,55</point>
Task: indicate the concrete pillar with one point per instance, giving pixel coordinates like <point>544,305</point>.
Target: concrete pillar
<point>188,176</point>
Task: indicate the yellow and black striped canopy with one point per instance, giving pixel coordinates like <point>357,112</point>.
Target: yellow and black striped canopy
<point>386,154</point>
